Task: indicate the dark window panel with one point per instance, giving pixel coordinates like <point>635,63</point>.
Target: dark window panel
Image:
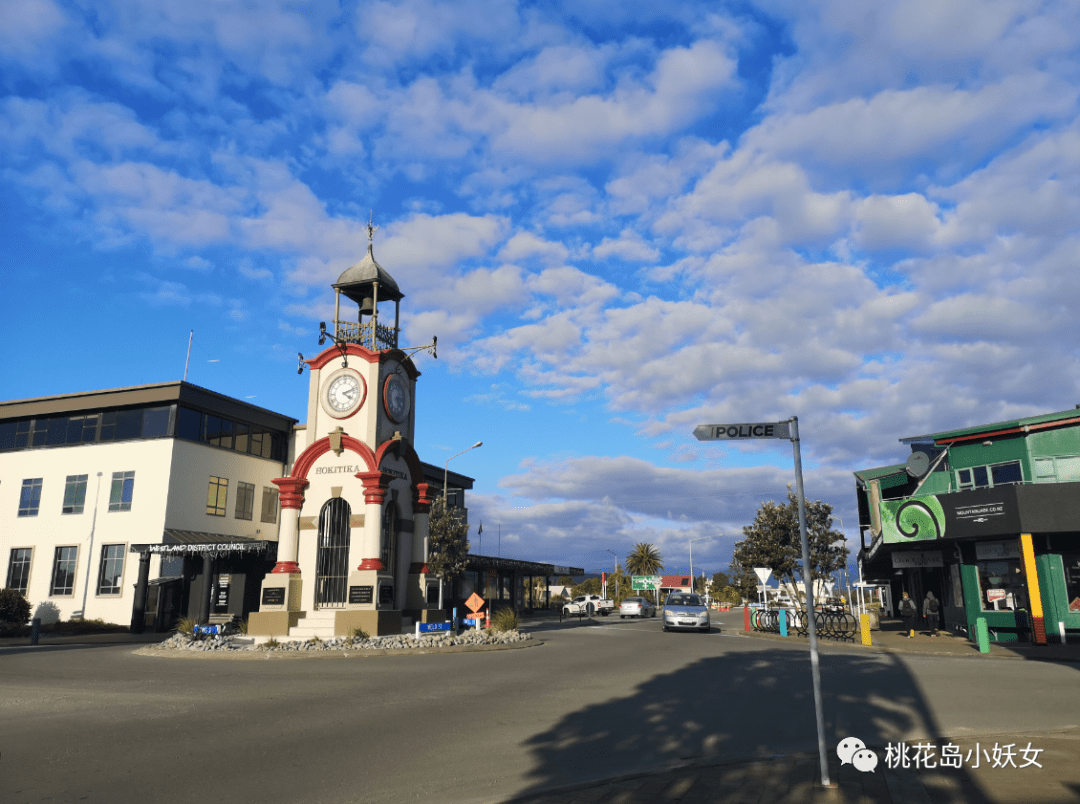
<point>7,435</point>
<point>128,424</point>
<point>155,422</point>
<point>189,424</point>
<point>74,430</point>
<point>1006,473</point>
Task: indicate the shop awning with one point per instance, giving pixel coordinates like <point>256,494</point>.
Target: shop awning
<point>191,542</point>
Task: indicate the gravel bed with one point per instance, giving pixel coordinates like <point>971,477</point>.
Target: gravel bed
<point>400,642</point>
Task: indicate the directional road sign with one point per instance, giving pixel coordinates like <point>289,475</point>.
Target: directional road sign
<point>736,432</point>
<point>646,582</point>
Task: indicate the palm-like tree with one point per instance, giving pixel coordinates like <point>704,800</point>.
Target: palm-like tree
<point>644,559</point>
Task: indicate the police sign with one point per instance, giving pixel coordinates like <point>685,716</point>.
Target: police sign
<point>731,432</point>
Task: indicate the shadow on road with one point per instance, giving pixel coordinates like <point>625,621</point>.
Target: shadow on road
<point>754,709</point>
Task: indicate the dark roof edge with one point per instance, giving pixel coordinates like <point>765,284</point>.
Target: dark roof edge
<point>166,392</point>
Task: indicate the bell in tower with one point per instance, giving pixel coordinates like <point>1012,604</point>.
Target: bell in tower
<point>367,283</point>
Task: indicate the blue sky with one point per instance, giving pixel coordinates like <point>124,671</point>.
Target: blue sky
<point>620,221</point>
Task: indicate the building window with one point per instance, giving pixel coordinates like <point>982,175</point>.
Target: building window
<point>112,569</point>
<point>1062,469</point>
<point>123,485</point>
<point>981,477</point>
<point>216,496</point>
<point>1002,585</point>
<point>269,505</point>
<point>245,500</point>
<point>63,577</point>
<point>18,574</point>
<point>30,497</point>
<point>74,494</point>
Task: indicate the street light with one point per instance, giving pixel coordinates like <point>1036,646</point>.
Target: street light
<point>698,539</point>
<point>615,570</point>
<point>445,488</point>
<point>446,470</point>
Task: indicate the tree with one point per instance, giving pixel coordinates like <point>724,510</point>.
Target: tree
<point>644,559</point>
<point>743,579</point>
<point>14,608</point>
<point>590,586</point>
<point>773,541</point>
<point>565,580</point>
<point>448,543</point>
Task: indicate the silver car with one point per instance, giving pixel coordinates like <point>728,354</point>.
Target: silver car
<point>636,607</point>
<point>685,612</point>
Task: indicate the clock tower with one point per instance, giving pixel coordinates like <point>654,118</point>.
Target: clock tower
<point>353,540</point>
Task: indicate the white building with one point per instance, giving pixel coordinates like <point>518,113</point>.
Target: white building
<point>96,487</point>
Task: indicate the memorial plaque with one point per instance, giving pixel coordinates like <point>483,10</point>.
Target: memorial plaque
<point>386,595</point>
<point>360,594</point>
<point>273,596</point>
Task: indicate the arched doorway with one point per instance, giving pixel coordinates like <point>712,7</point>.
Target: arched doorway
<point>331,565</point>
<point>389,550</point>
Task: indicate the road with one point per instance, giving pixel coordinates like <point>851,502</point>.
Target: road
<point>95,724</point>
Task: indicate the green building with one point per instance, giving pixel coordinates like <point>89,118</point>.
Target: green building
<point>988,519</point>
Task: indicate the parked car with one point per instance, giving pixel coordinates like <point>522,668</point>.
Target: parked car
<point>636,607</point>
<point>590,605</point>
<point>685,612</point>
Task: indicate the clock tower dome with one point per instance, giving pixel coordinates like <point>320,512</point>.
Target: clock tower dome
<point>353,541</point>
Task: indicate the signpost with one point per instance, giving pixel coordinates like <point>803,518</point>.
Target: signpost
<point>644,583</point>
<point>763,574</point>
<point>790,430</point>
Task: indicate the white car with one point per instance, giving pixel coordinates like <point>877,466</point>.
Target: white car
<point>636,607</point>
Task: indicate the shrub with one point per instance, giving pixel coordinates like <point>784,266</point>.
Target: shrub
<point>360,633</point>
<point>505,619</point>
<point>186,626</point>
<point>271,643</point>
<point>14,608</point>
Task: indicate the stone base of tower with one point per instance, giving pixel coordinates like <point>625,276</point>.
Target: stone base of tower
<point>272,623</point>
<point>384,622</point>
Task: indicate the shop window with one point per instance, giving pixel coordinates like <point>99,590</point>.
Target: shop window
<point>245,500</point>
<point>63,577</point>
<point>981,477</point>
<point>1002,585</point>
<point>18,574</point>
<point>123,489</point>
<point>111,570</point>
<point>30,497</point>
<point>1062,469</point>
<point>216,496</point>
<point>1071,565</point>
<point>269,505</point>
<point>74,494</point>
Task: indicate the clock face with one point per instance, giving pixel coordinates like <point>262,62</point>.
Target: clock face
<point>344,393</point>
<point>396,398</point>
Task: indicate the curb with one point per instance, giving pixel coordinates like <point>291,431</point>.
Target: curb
<point>898,651</point>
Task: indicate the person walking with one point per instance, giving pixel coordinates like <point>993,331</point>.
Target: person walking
<point>908,612</point>
<point>930,608</point>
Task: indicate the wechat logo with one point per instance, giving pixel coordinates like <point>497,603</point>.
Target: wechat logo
<point>853,751</point>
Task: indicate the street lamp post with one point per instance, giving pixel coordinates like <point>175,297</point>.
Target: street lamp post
<point>698,539</point>
<point>615,570</point>
<point>446,470</point>
<point>445,488</point>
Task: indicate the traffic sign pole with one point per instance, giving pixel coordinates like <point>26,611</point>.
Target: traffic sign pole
<point>808,585</point>
<point>787,429</point>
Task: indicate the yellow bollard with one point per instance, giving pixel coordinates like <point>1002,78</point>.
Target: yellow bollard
<point>864,627</point>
